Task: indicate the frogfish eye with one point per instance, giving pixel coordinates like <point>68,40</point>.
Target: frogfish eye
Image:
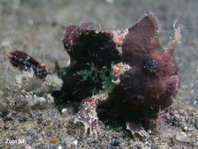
<point>150,66</point>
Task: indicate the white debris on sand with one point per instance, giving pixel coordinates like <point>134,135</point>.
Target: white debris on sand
<point>36,90</point>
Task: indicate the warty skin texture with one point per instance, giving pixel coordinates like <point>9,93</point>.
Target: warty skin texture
<point>152,83</point>
<point>127,73</point>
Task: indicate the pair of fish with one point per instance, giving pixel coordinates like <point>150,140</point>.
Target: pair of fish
<point>126,72</point>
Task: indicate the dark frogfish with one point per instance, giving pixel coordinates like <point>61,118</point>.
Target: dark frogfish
<point>126,72</point>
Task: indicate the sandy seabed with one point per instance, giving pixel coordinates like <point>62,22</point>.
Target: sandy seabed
<point>37,27</point>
